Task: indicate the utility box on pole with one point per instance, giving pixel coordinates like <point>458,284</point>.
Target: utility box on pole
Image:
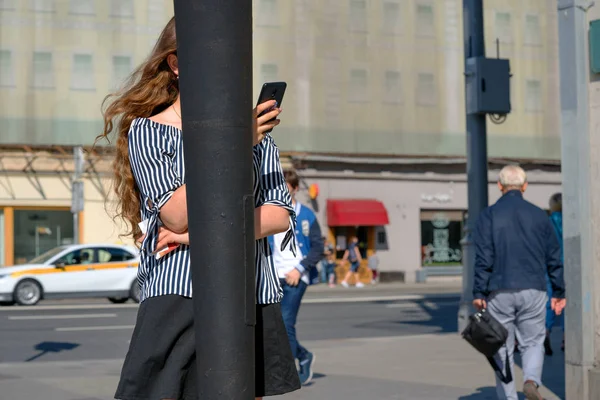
<point>487,85</point>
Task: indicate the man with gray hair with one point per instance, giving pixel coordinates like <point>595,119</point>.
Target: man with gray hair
<point>515,247</point>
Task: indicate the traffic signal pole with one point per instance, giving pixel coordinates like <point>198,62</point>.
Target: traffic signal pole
<point>215,61</point>
<point>477,168</point>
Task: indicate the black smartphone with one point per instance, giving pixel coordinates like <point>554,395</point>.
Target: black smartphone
<point>272,91</point>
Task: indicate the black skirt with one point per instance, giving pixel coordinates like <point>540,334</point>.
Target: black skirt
<point>161,362</point>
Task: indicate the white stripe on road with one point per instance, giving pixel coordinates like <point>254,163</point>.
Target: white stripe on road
<point>94,328</point>
<point>69,307</point>
<point>66,316</point>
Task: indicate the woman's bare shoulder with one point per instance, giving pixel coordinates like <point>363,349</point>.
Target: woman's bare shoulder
<point>167,117</point>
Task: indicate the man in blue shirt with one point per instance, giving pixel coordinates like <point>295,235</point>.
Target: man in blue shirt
<point>297,271</point>
<point>515,247</point>
<point>556,220</point>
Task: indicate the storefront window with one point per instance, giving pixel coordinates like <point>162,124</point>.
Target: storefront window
<point>343,234</point>
<point>37,231</point>
<point>441,233</point>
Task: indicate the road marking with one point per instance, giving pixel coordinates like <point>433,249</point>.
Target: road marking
<point>66,316</point>
<point>366,299</point>
<point>70,307</point>
<point>94,328</point>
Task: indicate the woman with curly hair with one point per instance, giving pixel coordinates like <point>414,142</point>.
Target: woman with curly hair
<point>151,193</point>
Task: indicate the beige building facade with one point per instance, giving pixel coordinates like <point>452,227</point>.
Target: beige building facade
<point>374,110</point>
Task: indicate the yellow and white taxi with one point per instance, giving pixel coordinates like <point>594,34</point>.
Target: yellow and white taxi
<point>101,270</point>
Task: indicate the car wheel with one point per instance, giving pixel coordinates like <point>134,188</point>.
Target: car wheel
<point>28,292</point>
<point>119,300</point>
<point>135,292</point>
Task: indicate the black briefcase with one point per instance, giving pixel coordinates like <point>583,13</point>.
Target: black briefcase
<point>487,335</point>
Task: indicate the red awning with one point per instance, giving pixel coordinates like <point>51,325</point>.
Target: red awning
<point>356,213</point>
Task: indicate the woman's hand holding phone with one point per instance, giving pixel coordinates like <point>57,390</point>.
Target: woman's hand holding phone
<point>264,120</point>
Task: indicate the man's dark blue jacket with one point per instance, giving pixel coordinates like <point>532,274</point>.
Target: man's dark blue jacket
<point>515,246</point>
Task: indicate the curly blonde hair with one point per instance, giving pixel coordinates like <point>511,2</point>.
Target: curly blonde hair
<point>150,89</point>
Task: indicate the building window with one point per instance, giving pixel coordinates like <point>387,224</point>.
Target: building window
<point>82,77</point>
<point>358,16</point>
<point>267,13</point>
<point>391,17</point>
<point>425,20</point>
<point>441,233</point>
<point>533,35</point>
<point>426,90</point>
<point>156,12</point>
<point>269,72</point>
<point>392,90</point>
<point>121,8</point>
<point>38,231</point>
<point>42,6</point>
<point>82,7</point>
<point>381,238</point>
<point>533,96</point>
<point>122,67</point>
<point>8,5</point>
<point>7,69</point>
<point>503,27</point>
<point>358,86</point>
<point>43,70</point>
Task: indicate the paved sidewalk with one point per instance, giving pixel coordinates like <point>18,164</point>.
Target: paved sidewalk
<point>427,367</point>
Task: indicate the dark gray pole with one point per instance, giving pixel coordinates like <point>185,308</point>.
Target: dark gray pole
<point>215,59</point>
<point>477,172</point>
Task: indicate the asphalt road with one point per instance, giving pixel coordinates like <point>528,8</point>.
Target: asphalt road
<point>96,330</point>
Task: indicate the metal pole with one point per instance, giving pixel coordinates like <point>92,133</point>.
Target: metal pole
<point>77,190</point>
<point>75,228</point>
<point>215,61</point>
<point>477,172</point>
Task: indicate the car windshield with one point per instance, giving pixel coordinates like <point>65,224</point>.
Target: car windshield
<point>45,257</point>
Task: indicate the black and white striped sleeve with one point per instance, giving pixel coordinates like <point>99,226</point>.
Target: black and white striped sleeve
<point>151,158</point>
<point>273,189</point>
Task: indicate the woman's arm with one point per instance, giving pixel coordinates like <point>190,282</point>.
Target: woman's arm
<point>174,213</point>
<point>167,237</point>
<point>269,220</point>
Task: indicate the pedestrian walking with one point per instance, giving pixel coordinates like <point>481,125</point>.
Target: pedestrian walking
<point>151,191</point>
<point>294,272</point>
<point>328,255</point>
<point>352,255</point>
<point>373,261</point>
<point>515,248</point>
<point>552,319</point>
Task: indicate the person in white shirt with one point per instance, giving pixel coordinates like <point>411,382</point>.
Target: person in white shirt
<point>297,271</point>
